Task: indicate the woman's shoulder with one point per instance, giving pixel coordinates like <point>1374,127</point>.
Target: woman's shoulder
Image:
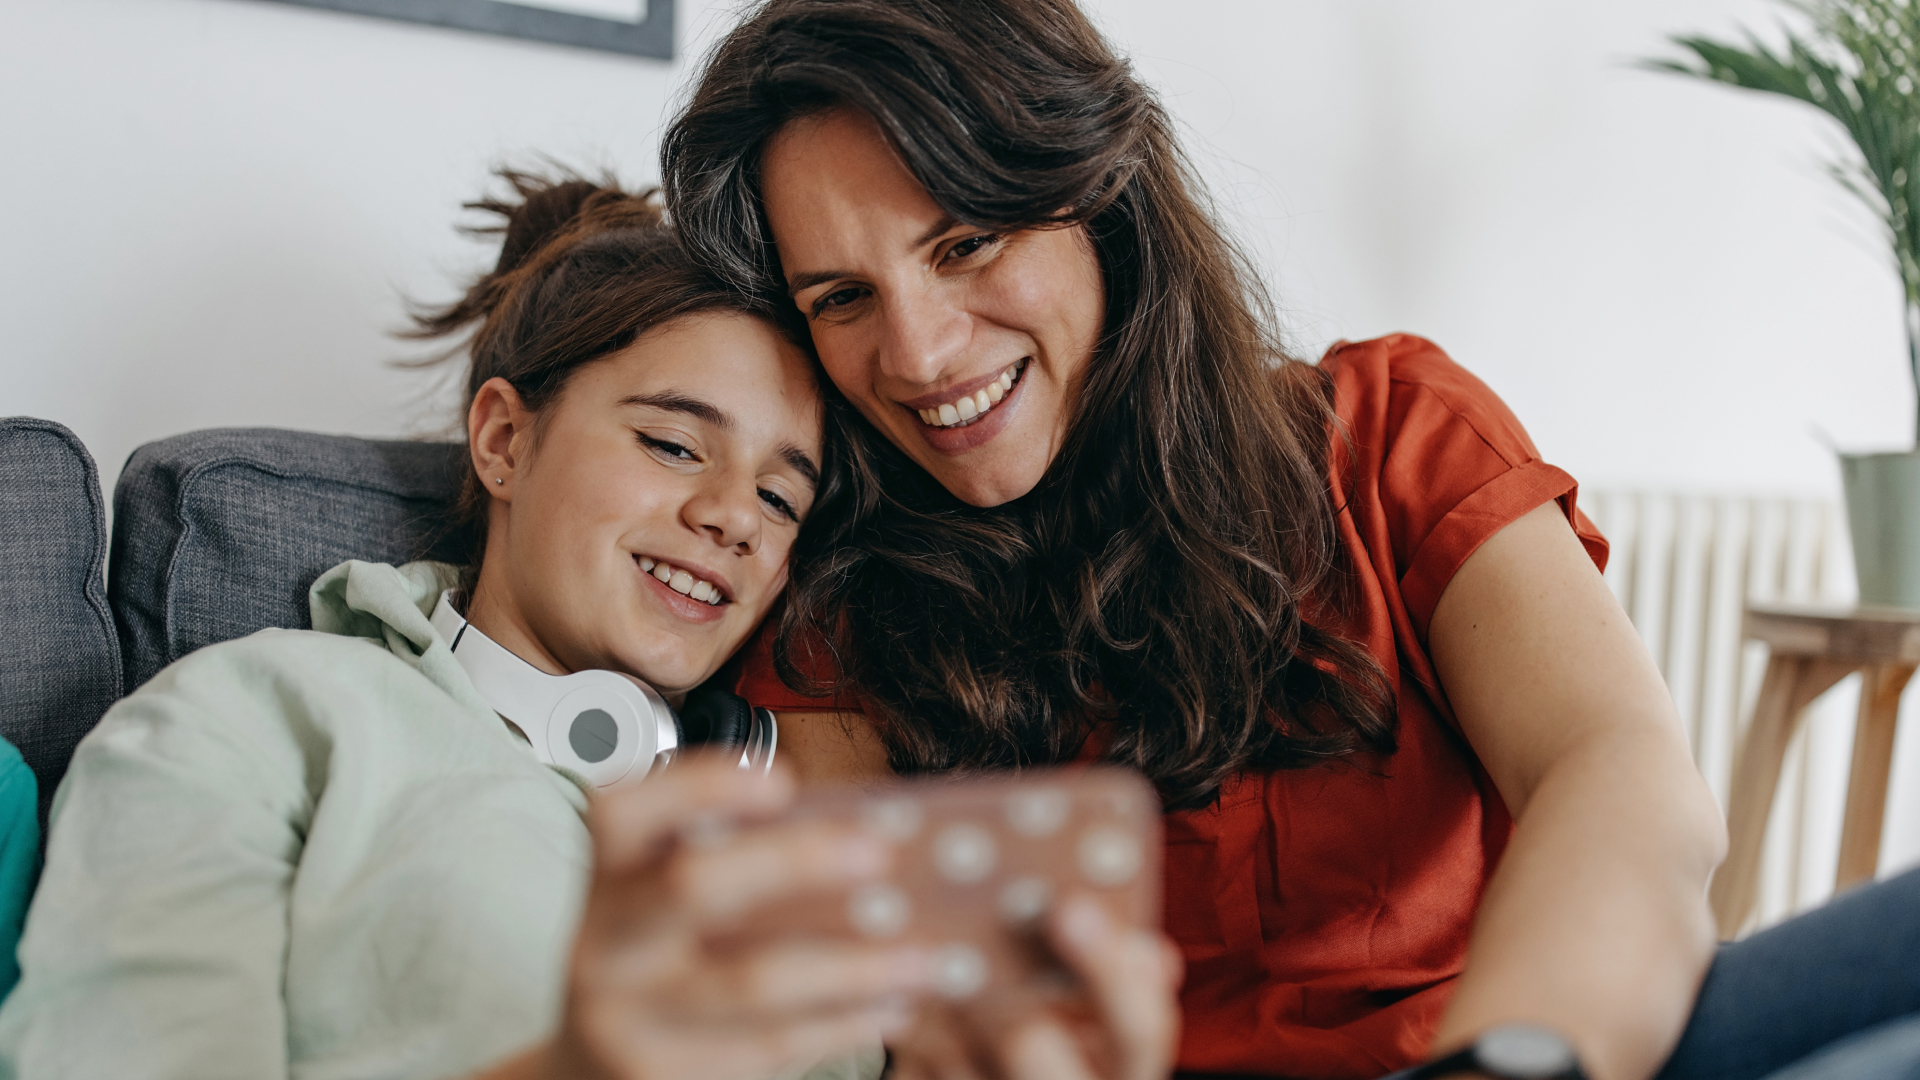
<point>1390,388</point>
<point>1431,462</point>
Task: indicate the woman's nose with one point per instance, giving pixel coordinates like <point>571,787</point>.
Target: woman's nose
<point>926,333</point>
<point>727,513</point>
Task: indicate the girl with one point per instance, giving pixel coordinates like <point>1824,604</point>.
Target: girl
<point>322,854</point>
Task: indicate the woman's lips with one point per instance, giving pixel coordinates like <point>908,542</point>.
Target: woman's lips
<point>962,438</point>
<point>695,611</point>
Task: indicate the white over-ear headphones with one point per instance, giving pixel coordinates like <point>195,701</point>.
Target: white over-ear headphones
<point>605,725</point>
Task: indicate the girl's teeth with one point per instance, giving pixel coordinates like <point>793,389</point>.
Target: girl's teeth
<point>995,392</point>
<point>682,581</point>
<point>968,410</point>
<point>949,416</point>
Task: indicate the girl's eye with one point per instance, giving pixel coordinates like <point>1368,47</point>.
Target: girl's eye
<point>838,298</point>
<point>779,504</point>
<point>670,449</point>
<point>971,245</point>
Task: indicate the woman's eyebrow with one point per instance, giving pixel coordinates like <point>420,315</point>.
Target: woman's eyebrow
<point>802,282</point>
<point>673,401</point>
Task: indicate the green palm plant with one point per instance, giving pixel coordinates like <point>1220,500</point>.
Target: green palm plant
<point>1858,61</point>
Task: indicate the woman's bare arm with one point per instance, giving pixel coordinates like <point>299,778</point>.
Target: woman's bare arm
<point>1596,922</point>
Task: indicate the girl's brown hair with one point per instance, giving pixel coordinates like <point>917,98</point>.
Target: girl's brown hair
<point>585,268</point>
<point>1179,569</point>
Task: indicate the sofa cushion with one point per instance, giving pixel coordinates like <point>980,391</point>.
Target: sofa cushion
<point>59,656</point>
<point>218,533</point>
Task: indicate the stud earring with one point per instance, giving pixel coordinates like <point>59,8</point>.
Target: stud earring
<point>498,480</point>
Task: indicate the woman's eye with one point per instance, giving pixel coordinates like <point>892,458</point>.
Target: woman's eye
<point>670,449</point>
<point>779,504</point>
<point>969,246</point>
<point>838,298</point>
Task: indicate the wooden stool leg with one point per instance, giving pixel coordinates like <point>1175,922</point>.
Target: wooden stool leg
<point>1791,684</point>
<point>1872,762</point>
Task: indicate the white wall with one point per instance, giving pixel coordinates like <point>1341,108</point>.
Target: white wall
<point>213,207</point>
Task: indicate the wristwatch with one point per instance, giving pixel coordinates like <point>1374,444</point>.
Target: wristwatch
<point>1510,1052</point>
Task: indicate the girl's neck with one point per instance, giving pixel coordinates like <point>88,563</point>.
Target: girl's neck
<point>494,612</point>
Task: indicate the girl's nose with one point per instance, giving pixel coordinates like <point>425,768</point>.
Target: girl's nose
<point>727,512</point>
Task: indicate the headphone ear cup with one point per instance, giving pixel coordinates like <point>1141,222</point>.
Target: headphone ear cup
<point>715,716</point>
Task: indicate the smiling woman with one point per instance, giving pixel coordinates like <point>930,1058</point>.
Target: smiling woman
<point>1423,778</point>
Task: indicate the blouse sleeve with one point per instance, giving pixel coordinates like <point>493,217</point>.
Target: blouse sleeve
<point>1435,464</point>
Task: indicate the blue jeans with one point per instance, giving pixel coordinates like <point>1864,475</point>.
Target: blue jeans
<point>1831,995</point>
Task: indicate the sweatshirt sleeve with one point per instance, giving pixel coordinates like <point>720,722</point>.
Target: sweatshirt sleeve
<point>156,943</point>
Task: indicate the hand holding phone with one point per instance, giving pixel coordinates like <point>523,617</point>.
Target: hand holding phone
<point>1034,899</point>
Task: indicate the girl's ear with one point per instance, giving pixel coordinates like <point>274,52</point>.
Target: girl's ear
<point>499,436</point>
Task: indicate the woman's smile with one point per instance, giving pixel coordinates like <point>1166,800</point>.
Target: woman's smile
<point>965,417</point>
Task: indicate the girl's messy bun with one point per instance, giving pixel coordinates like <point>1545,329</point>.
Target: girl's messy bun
<point>542,213</point>
<point>585,268</point>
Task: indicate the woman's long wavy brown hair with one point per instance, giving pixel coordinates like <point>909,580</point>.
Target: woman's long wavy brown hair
<point>1178,572</point>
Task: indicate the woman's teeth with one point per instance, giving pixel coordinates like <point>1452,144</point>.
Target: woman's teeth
<point>680,581</point>
<point>968,409</point>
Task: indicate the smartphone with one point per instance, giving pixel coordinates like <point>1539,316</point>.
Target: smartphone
<point>979,863</point>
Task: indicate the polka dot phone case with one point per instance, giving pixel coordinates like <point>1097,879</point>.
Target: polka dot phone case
<point>979,862</point>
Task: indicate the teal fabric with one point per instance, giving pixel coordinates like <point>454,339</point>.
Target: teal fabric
<point>19,855</point>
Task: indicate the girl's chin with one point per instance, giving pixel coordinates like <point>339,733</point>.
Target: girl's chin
<point>665,661</point>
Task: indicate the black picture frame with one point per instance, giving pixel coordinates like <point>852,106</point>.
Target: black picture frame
<point>651,37</point>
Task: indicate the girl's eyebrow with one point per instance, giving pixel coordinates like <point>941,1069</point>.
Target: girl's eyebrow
<point>707,412</point>
<point>801,463</point>
<point>674,401</point>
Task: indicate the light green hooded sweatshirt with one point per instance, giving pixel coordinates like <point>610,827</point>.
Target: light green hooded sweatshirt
<point>305,854</point>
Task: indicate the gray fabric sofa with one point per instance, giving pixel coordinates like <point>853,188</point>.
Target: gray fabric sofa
<point>219,533</point>
<point>59,655</point>
<point>216,534</point>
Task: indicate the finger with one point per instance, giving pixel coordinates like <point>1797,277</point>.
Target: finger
<point>630,821</point>
<point>763,863</point>
<point>776,982</point>
<point>941,1044</point>
<point>815,1039</point>
<point>1043,1051</point>
<point>737,1052</point>
<point>1131,982</point>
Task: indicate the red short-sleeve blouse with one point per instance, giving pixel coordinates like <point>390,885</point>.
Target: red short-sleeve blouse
<point>1324,912</point>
